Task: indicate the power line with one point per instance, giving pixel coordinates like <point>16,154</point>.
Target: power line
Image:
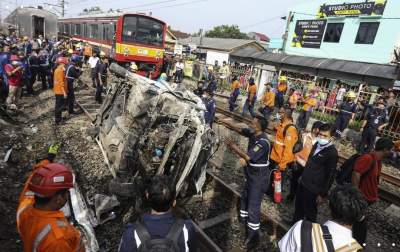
<point>175,5</point>
<point>261,22</point>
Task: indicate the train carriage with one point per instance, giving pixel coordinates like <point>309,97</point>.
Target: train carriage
<point>124,37</point>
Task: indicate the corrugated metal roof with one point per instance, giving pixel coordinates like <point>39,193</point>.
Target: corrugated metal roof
<point>358,69</point>
<point>222,44</point>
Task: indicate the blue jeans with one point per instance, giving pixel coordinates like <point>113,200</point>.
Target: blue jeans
<point>249,107</point>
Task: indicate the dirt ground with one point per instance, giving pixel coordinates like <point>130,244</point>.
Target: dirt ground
<point>28,134</point>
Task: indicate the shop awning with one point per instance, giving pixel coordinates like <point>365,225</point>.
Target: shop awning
<point>382,75</point>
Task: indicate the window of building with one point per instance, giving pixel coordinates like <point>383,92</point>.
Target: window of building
<point>333,32</point>
<point>367,32</point>
<point>66,28</point>
<point>94,31</point>
<point>78,29</point>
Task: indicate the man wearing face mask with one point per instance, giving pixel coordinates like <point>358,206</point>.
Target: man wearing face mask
<point>365,177</point>
<point>40,222</point>
<point>317,176</point>
<point>376,120</point>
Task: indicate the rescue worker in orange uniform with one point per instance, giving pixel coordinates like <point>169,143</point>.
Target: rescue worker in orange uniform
<point>281,91</point>
<point>40,222</point>
<point>235,87</point>
<point>267,101</point>
<point>251,98</point>
<point>87,52</point>
<point>60,88</point>
<point>310,102</point>
<point>282,156</point>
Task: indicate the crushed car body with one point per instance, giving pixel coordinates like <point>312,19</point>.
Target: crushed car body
<point>146,127</point>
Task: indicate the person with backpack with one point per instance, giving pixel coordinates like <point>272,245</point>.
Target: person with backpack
<point>159,230</point>
<point>365,176</point>
<point>287,135</point>
<point>346,205</point>
<point>309,139</point>
<point>317,177</point>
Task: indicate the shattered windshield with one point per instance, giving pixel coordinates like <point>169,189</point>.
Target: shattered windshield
<point>142,30</point>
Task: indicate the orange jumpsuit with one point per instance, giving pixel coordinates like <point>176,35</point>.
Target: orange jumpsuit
<point>45,231</point>
<point>282,149</point>
<point>60,81</point>
<point>309,104</point>
<point>269,99</point>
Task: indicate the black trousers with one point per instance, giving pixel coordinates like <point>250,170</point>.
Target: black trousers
<point>44,77</point>
<point>70,97</point>
<point>99,90</point>
<point>368,138</point>
<point>341,124</point>
<point>60,101</point>
<point>303,119</point>
<point>305,205</point>
<point>34,74</point>
<point>360,230</point>
<point>294,179</point>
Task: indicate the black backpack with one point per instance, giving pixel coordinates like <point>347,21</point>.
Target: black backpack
<point>167,244</point>
<point>346,170</point>
<point>298,146</point>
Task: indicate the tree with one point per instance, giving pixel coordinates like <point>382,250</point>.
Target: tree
<point>226,31</point>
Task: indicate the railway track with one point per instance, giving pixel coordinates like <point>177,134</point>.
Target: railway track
<point>383,193</point>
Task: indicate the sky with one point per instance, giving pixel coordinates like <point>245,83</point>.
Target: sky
<point>188,15</point>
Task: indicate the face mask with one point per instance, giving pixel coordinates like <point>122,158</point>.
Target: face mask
<point>322,141</point>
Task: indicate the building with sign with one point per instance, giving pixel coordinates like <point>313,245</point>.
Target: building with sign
<point>357,30</point>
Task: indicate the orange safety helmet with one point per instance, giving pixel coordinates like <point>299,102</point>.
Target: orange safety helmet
<point>62,60</point>
<point>48,180</point>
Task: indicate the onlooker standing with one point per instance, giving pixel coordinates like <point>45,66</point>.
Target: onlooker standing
<point>366,172</point>
<point>103,70</point>
<point>179,66</point>
<point>332,98</point>
<point>72,73</point>
<point>293,99</point>
<point>251,99</point>
<point>309,103</point>
<point>317,176</point>
<point>340,95</point>
<point>309,139</point>
<point>346,205</point>
<point>14,79</point>
<point>159,230</point>
<point>347,112</point>
<point>375,121</point>
<point>26,73</point>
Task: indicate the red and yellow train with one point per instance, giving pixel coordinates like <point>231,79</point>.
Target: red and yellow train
<point>124,37</point>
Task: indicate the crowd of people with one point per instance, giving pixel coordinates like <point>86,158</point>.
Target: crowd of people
<point>307,160</point>
<point>55,64</point>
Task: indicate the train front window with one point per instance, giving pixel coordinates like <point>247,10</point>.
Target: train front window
<point>142,30</point>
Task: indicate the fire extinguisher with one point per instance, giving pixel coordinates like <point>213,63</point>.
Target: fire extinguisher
<point>277,186</point>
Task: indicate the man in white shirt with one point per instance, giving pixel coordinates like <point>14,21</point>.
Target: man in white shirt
<point>179,71</point>
<point>340,95</point>
<point>345,203</point>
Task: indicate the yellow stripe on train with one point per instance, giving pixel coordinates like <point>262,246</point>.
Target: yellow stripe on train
<point>139,51</point>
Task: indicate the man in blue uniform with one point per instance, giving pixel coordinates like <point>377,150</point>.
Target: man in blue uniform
<point>72,73</point>
<point>209,102</point>
<point>149,233</point>
<point>375,121</point>
<point>347,111</point>
<point>257,175</point>
<point>44,69</point>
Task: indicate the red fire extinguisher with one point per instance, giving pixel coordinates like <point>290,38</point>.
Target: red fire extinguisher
<point>277,186</point>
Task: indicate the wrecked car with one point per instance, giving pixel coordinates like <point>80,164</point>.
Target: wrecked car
<point>146,127</point>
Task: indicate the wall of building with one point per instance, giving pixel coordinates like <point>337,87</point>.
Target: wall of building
<point>381,51</point>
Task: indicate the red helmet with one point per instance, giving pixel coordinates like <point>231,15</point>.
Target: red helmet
<point>48,180</point>
<point>14,58</point>
<point>62,60</point>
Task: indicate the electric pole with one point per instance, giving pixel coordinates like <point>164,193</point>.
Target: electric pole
<point>62,8</point>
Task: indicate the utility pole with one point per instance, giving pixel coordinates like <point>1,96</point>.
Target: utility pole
<point>62,8</point>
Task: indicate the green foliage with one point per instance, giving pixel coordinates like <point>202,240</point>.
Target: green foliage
<point>226,31</point>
